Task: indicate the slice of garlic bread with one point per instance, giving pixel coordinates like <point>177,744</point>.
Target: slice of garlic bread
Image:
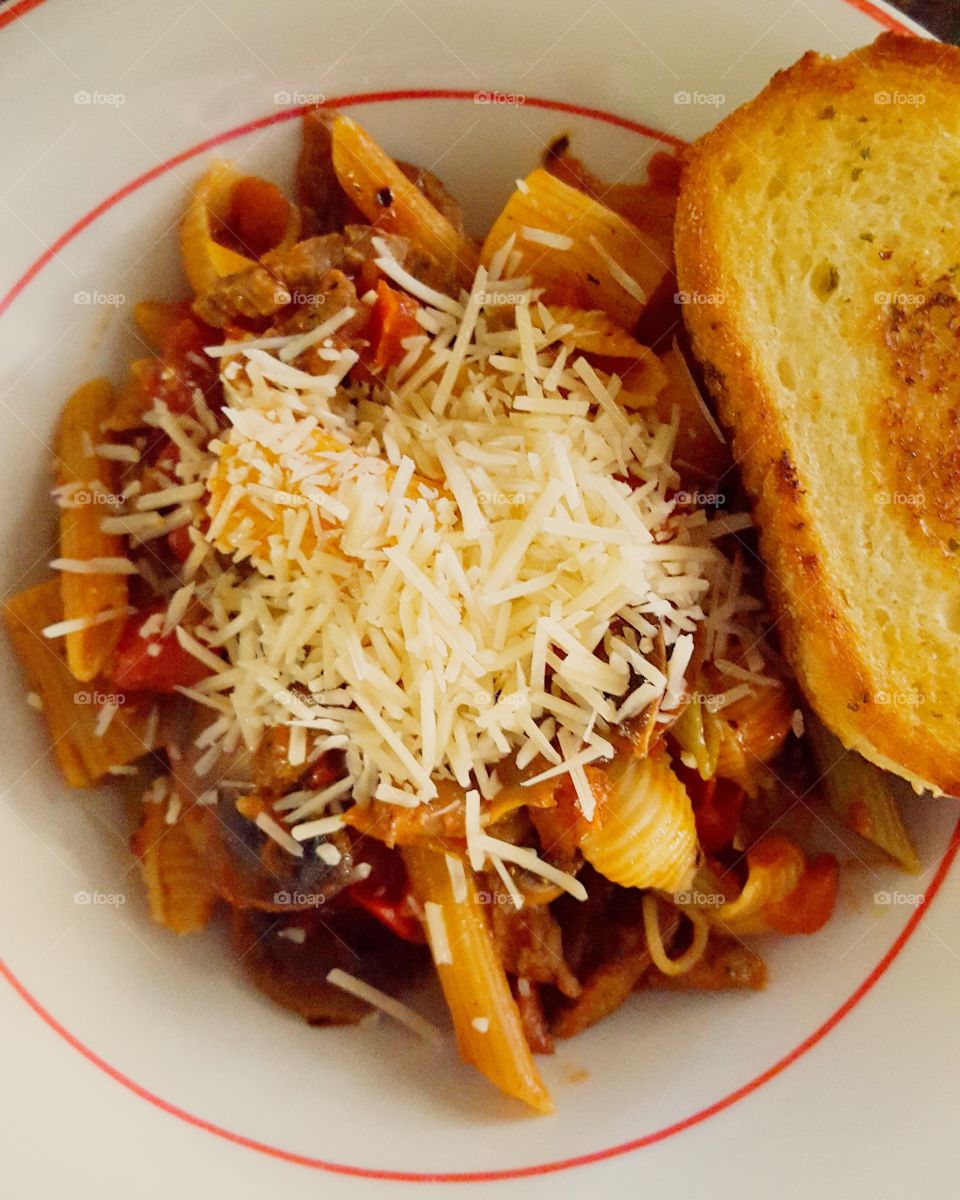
<point>818,247</point>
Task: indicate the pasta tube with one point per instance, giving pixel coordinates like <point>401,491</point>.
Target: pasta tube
<point>485,1015</point>
<point>175,868</point>
<point>579,250</point>
<point>391,202</point>
<point>84,754</point>
<point>204,259</point>
<point>87,598</point>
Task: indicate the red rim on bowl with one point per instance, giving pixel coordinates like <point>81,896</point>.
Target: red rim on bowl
<point>695,1118</point>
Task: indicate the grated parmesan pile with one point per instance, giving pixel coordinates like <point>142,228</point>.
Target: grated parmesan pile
<point>478,558</point>
<point>470,562</point>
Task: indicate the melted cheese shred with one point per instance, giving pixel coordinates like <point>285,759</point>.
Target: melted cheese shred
<point>476,559</point>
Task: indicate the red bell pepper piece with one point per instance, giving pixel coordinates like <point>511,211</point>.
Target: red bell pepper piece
<point>134,669</point>
<point>385,893</point>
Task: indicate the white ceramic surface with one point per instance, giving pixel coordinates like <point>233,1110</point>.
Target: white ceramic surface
<point>133,1064</point>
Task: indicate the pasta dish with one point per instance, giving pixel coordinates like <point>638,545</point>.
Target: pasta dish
<point>410,575</point>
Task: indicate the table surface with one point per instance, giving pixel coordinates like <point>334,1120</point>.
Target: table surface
<point>941,17</point>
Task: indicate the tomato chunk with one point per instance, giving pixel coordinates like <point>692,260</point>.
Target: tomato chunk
<point>810,904</point>
<point>135,668</point>
<point>385,893</point>
<point>394,317</point>
<point>718,814</point>
<point>180,543</point>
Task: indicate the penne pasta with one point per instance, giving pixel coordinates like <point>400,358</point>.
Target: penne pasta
<point>83,756</point>
<point>86,597</point>
<point>394,204</point>
<point>595,259</point>
<point>204,259</point>
<point>474,982</point>
<point>861,795</point>
<point>643,834</point>
<point>594,332</point>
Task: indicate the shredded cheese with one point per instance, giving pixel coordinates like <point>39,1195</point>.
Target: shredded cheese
<point>393,1008</point>
<point>476,558</point>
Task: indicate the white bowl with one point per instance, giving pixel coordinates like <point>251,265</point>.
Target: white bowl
<point>110,113</point>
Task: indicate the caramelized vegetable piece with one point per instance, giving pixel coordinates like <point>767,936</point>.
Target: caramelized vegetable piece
<point>326,206</point>
<point>861,795</point>
<point>293,973</point>
<point>179,373</point>
<point>88,597</point>
<point>725,966</point>
<point>608,985</point>
<point>717,805</point>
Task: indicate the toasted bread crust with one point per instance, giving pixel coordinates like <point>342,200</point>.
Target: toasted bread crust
<point>827,653</point>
